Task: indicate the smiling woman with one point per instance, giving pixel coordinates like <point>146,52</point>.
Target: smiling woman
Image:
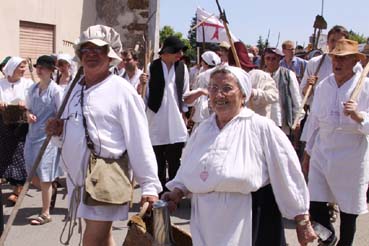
<point>232,154</point>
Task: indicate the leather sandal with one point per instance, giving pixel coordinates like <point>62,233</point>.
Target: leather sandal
<point>40,220</point>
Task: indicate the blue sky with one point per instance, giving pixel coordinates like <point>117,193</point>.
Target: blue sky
<point>249,19</point>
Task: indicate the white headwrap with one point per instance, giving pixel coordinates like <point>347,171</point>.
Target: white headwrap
<point>65,57</point>
<point>11,65</point>
<point>243,79</point>
<point>211,58</point>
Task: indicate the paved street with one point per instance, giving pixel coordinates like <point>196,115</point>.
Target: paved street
<point>24,234</point>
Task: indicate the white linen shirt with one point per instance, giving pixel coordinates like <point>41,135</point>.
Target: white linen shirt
<point>167,125</point>
<point>221,167</point>
<point>12,93</point>
<point>201,104</point>
<point>339,146</point>
<point>265,92</point>
<point>116,122</point>
<point>135,80</point>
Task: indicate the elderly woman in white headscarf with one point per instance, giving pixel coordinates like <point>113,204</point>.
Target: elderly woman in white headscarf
<point>231,154</point>
<point>13,90</point>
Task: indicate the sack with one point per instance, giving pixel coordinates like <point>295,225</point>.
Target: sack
<point>107,181</point>
<point>140,231</point>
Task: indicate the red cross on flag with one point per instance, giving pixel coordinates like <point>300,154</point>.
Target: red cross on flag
<point>213,28</point>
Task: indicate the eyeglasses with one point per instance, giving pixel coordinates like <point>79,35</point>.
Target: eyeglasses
<point>96,50</point>
<point>269,58</point>
<point>213,89</point>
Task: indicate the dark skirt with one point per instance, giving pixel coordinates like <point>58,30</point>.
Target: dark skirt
<point>12,164</point>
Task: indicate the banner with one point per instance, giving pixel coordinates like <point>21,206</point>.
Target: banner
<point>213,28</point>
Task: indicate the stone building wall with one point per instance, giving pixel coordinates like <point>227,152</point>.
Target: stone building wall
<point>130,19</point>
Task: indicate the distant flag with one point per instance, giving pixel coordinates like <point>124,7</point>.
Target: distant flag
<point>213,28</point>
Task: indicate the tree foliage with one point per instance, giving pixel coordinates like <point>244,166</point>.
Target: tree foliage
<point>360,38</point>
<point>261,43</point>
<point>167,31</point>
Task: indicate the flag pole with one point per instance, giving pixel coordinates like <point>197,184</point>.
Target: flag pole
<point>225,23</point>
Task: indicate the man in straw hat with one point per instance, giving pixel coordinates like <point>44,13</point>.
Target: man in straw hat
<point>338,147</point>
<point>106,110</point>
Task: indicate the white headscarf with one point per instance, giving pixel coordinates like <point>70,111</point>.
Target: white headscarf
<point>242,77</point>
<point>68,58</point>
<point>11,65</point>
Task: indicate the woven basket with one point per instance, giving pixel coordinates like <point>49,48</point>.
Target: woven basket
<point>140,232</point>
<point>13,114</point>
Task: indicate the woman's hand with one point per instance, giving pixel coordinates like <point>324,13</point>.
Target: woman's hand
<point>172,198</point>
<point>304,230</point>
<point>2,106</point>
<point>54,127</point>
<point>22,104</point>
<point>31,118</point>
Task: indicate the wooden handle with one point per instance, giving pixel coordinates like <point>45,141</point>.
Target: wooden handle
<point>143,209</point>
<point>360,83</point>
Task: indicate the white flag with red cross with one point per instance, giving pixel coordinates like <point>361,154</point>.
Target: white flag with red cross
<point>212,27</point>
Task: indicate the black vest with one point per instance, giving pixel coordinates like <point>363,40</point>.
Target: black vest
<point>157,84</point>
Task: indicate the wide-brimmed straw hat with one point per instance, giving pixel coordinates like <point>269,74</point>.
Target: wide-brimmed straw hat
<point>101,35</point>
<point>345,47</point>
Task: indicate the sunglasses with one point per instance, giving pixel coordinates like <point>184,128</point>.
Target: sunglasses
<point>95,50</point>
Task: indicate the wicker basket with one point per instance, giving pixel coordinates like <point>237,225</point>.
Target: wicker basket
<point>14,114</point>
<point>140,232</point>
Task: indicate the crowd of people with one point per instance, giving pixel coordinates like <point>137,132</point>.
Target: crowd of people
<point>238,141</point>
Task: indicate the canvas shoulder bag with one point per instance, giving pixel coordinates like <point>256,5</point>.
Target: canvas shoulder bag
<point>106,181</point>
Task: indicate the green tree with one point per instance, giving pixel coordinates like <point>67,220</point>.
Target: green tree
<point>360,38</point>
<point>261,44</point>
<point>167,31</point>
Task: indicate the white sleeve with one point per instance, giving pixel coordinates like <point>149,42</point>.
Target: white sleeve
<point>186,87</point>
<point>285,173</point>
<point>265,91</point>
<point>136,136</point>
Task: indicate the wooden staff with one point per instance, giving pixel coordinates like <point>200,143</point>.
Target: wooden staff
<point>225,23</point>
<point>147,59</point>
<point>360,83</point>
<point>30,67</point>
<point>307,94</point>
<point>37,162</point>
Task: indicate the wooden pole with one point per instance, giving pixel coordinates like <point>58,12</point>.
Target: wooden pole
<point>360,83</point>
<point>37,163</point>
<point>307,94</point>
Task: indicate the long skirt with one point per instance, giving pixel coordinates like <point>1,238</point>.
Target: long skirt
<point>12,164</point>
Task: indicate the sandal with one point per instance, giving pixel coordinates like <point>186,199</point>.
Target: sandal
<point>40,220</point>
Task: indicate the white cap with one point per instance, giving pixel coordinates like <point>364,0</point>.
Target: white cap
<point>101,35</point>
<point>211,58</point>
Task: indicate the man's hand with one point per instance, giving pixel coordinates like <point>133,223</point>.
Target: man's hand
<point>311,81</point>
<point>150,199</point>
<point>144,78</point>
<point>54,127</point>
<point>350,109</point>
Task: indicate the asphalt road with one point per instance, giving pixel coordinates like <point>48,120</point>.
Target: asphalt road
<point>22,233</point>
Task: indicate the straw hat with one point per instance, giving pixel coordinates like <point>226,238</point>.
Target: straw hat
<point>224,45</point>
<point>345,47</point>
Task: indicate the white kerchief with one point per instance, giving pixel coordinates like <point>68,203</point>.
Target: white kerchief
<point>11,65</point>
